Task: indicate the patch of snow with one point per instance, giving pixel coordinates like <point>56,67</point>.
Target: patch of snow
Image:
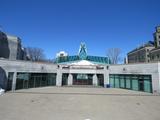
<point>1,91</point>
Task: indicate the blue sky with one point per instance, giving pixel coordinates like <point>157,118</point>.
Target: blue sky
<point>56,25</point>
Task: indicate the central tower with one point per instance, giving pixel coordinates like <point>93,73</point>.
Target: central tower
<point>82,52</point>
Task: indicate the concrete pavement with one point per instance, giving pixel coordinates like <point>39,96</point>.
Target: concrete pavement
<point>76,103</point>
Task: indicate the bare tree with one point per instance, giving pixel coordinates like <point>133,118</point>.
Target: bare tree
<point>114,55</point>
<point>35,54</point>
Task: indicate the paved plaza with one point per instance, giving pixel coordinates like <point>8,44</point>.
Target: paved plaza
<point>79,103</point>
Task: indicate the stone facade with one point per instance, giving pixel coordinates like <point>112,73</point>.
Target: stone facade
<point>155,54</point>
<point>11,47</point>
<point>141,54</point>
<point>148,52</point>
<point>156,36</point>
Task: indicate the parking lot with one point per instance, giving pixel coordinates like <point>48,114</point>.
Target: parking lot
<point>79,103</point>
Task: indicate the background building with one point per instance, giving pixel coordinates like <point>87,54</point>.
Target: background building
<point>155,53</point>
<point>11,47</point>
<point>149,52</point>
<point>157,37</point>
<point>141,54</point>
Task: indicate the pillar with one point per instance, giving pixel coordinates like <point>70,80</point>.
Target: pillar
<point>106,76</point>
<point>5,80</point>
<point>14,81</point>
<point>59,77</point>
<point>70,79</point>
<point>95,80</point>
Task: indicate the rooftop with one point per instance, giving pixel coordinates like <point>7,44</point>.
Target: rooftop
<point>148,44</point>
<point>82,55</point>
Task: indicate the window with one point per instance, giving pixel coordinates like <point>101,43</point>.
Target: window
<point>10,79</point>
<point>132,82</point>
<point>32,80</point>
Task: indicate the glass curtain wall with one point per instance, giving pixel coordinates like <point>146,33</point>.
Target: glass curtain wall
<point>147,84</point>
<point>65,79</point>
<point>132,82</point>
<point>100,78</point>
<point>135,85</point>
<point>116,81</point>
<point>112,81</point>
<point>122,81</point>
<point>128,82</point>
<point>33,80</point>
<point>82,79</point>
<point>10,79</point>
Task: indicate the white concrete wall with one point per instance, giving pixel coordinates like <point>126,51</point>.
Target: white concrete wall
<point>26,66</point>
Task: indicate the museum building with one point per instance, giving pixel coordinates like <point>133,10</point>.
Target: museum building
<point>80,69</point>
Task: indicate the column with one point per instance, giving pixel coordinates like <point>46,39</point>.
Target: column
<point>6,80</point>
<point>155,79</point>
<point>14,81</point>
<point>70,79</point>
<point>95,80</point>
<point>106,76</point>
<point>59,77</point>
